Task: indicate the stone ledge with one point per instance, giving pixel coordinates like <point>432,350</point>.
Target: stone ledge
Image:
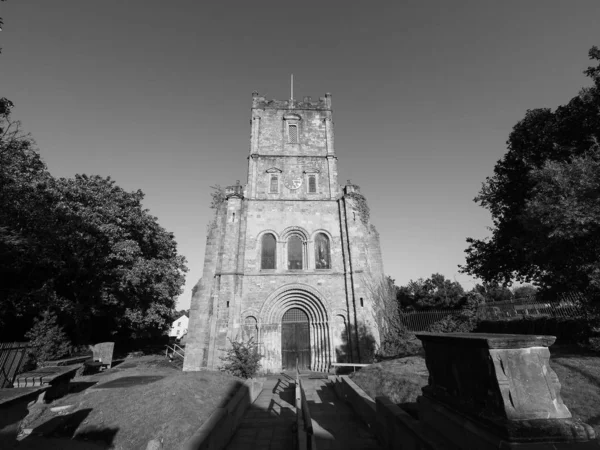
<point>456,427</point>
<point>389,423</point>
<point>219,428</point>
<point>488,340</point>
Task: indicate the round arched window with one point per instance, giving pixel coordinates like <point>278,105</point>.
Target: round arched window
<point>294,253</point>
<point>268,252</point>
<point>322,254</point>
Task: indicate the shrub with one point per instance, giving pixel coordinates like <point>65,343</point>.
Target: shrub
<point>450,324</point>
<point>242,359</point>
<point>47,339</point>
<point>571,330</point>
<point>398,345</point>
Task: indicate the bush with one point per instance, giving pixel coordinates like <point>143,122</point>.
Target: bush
<point>242,359</point>
<point>399,345</point>
<point>572,330</point>
<point>47,339</point>
<point>450,324</point>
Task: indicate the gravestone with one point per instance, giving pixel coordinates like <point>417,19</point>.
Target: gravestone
<point>497,391</point>
<point>103,352</point>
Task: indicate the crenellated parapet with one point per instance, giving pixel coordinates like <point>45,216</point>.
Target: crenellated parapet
<point>323,104</point>
<point>237,190</point>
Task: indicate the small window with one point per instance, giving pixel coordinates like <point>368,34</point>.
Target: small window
<point>312,184</point>
<point>293,134</point>
<point>274,184</point>
<point>268,252</point>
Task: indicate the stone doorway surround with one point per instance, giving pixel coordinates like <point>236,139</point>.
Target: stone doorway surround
<point>315,306</point>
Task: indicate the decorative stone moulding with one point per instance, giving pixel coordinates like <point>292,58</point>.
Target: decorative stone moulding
<point>502,386</point>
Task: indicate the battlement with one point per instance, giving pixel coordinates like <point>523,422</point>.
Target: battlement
<point>259,102</point>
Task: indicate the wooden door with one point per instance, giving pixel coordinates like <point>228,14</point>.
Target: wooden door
<point>295,340</point>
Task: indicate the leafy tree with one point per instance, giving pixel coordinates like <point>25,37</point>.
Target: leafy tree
<point>524,291</point>
<point>178,314</point>
<point>544,202</point>
<point>82,247</point>
<point>432,293</point>
<point>242,359</point>
<point>491,292</point>
<point>48,339</point>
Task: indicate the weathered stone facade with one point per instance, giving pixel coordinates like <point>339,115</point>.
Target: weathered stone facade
<point>292,194</point>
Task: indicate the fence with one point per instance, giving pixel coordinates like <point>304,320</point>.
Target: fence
<point>567,305</point>
<point>423,320</point>
<point>12,357</point>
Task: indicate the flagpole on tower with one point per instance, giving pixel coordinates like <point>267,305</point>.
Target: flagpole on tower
<point>292,88</point>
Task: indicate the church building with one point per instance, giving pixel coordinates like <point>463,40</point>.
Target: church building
<point>291,259</point>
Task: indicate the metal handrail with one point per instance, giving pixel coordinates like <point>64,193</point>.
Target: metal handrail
<point>302,405</point>
<point>174,350</point>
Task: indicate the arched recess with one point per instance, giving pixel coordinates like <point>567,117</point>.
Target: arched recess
<point>260,253</point>
<point>295,248</point>
<point>250,329</point>
<point>312,302</point>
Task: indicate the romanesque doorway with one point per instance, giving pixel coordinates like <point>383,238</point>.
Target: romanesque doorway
<point>295,340</point>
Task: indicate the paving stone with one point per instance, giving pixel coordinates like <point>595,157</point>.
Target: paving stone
<point>268,422</point>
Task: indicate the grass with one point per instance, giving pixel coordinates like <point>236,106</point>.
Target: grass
<point>169,407</point>
<point>578,371</point>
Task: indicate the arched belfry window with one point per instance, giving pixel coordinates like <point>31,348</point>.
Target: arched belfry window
<point>268,251</point>
<point>294,252</point>
<point>322,253</point>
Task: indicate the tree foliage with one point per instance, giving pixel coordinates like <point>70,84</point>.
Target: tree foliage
<point>544,199</point>
<point>492,292</point>
<point>242,359</point>
<point>433,293</point>
<point>524,291</point>
<point>82,247</point>
<point>47,339</point>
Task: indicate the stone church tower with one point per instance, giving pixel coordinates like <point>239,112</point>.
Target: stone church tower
<point>291,257</point>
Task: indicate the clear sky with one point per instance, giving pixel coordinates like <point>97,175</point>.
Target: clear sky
<point>157,95</point>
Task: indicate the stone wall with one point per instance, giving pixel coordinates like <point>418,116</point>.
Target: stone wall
<point>237,297</point>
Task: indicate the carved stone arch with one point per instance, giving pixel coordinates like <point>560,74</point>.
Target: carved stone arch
<point>321,230</point>
<point>292,116</point>
<point>270,231</point>
<point>274,170</point>
<point>252,311</point>
<point>289,231</point>
<point>339,312</point>
<point>310,301</point>
<point>306,297</point>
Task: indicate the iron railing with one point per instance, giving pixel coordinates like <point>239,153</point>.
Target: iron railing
<point>303,418</point>
<point>567,306</point>
<point>175,350</point>
<point>12,357</point>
